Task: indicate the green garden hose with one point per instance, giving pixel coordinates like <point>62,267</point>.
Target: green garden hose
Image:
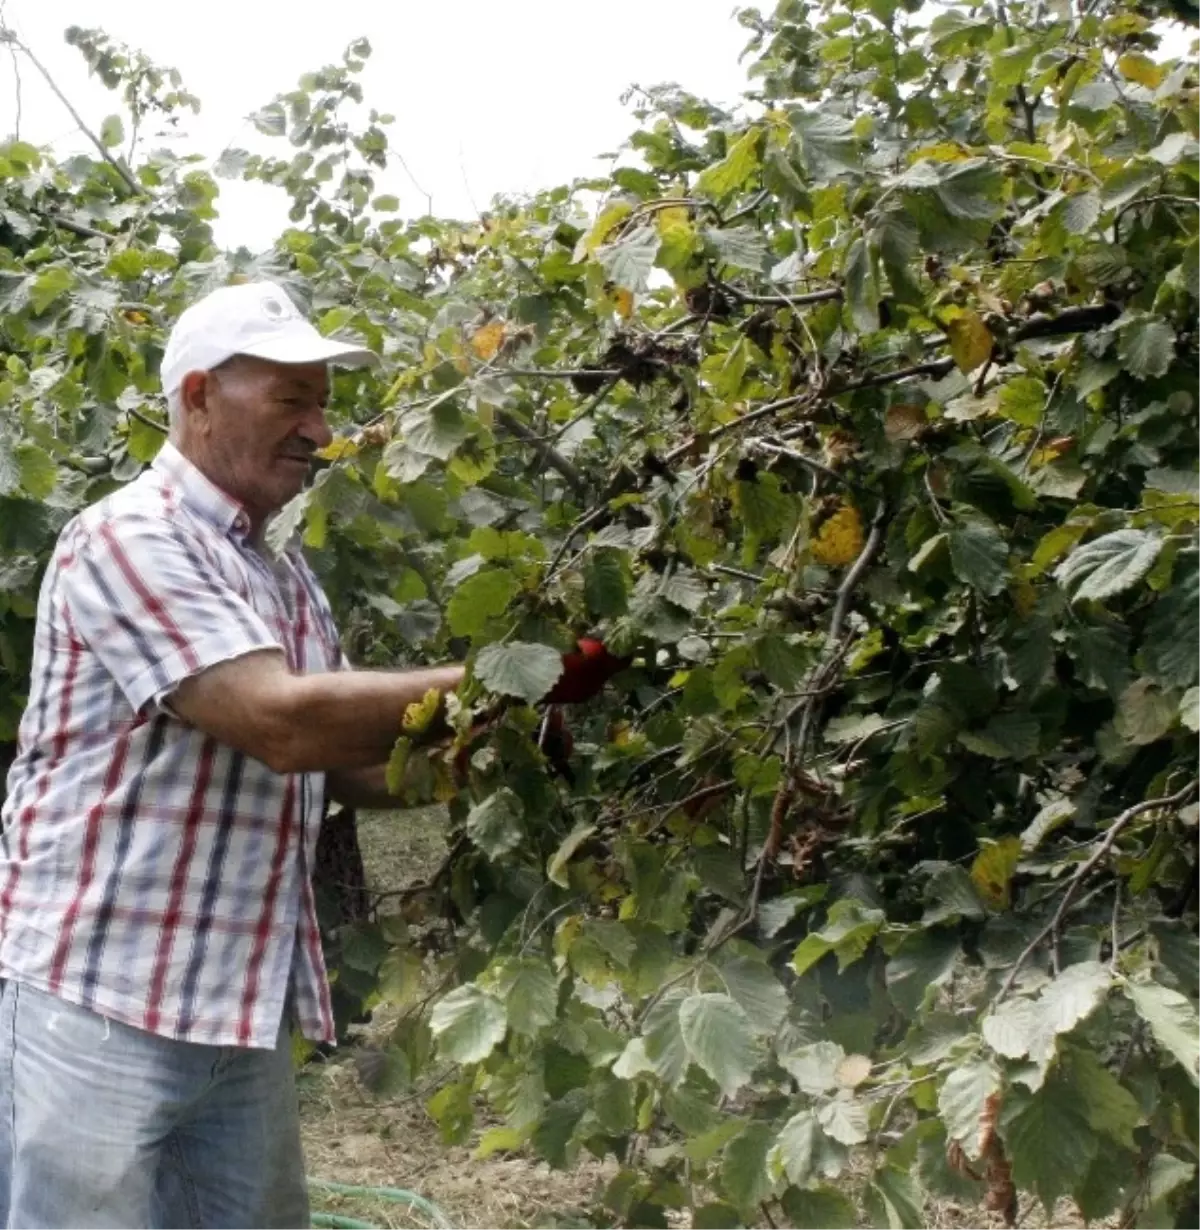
<point>397,1195</point>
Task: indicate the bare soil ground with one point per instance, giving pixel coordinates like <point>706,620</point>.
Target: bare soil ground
<point>352,1138</point>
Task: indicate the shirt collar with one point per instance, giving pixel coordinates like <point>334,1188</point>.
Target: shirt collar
<point>199,493</point>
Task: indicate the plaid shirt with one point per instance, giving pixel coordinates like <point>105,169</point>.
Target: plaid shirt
<point>147,871</point>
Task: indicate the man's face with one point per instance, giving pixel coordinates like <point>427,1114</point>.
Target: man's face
<point>252,426</point>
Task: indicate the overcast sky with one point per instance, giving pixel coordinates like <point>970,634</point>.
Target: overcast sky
<point>489,95</point>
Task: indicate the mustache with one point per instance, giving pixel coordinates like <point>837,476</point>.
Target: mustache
<point>300,452</point>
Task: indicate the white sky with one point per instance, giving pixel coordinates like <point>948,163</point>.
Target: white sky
<point>500,95</point>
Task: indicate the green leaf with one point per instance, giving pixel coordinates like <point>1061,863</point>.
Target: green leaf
<point>518,668</point>
<point>495,825</point>
<point>971,189</point>
<point>1171,645</point>
<point>629,260</point>
<point>1189,708</point>
<point>734,170</point>
<point>1147,346</point>
<point>556,868</point>
<point>1173,1021</point>
<point>1080,211</point>
<point>1110,1108</point>
<point>924,962</point>
<point>112,131</point>
<point>1021,1027</point>
<point>1050,1142</point>
<point>844,1118</point>
<point>1023,400</point>
<point>1108,565</point>
<point>39,474</point>
<point>397,765</point>
<point>742,247</point>
<point>979,555</point>
<point>50,285</point>
<point>606,583</point>
<point>828,147</point>
<point>10,471</point>
<point>783,663</point>
<point>1008,736</point>
<point>759,993</point>
<point>824,1208</point>
<point>849,930</point>
<point>479,599</point>
<point>1145,713</point>
<point>861,280</point>
<point>664,1046</point>
<point>962,1100</point>
<point>718,1037</point>
<point>744,1177</point>
<point>895,1199</point>
<point>814,1067</point>
<point>529,991</point>
<point>468,1024</point>
<point>798,1149</point>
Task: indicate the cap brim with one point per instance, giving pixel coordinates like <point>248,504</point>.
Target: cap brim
<point>312,349</point>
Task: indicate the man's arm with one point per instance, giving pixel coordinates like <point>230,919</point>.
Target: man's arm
<point>335,720</point>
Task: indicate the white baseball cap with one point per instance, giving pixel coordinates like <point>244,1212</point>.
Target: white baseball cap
<point>252,318</point>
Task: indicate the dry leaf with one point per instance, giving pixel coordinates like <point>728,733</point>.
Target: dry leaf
<point>486,340</point>
<point>840,538</point>
<point>904,421</point>
<point>852,1071</point>
<point>970,341</point>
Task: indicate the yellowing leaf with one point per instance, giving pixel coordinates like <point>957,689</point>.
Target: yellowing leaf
<point>418,716</point>
<point>840,538</point>
<point>604,224</point>
<point>992,871</point>
<point>486,340</point>
<point>623,301</point>
<point>970,341</point>
<point>668,219</point>
<point>337,448</point>
<point>1136,67</point>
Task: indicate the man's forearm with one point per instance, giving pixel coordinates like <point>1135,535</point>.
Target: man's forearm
<point>351,719</point>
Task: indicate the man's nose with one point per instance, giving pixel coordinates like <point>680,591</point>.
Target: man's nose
<point>316,429</point>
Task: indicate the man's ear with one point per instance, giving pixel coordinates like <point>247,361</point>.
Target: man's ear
<point>193,395</point>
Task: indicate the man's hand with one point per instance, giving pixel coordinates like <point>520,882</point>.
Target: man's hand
<point>305,723</point>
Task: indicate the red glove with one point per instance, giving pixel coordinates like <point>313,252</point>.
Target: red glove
<point>585,673</point>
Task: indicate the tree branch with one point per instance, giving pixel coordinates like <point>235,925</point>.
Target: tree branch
<point>134,187</point>
<point>550,455</point>
<point>1053,927</point>
<point>814,296</point>
<point>149,422</point>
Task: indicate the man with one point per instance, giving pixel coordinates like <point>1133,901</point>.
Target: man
<point>189,709</point>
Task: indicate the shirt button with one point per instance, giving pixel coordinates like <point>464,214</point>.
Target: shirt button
<point>240,523</point>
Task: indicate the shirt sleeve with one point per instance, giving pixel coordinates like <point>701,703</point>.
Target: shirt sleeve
<point>149,601</point>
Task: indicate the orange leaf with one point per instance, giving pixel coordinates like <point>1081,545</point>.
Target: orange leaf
<point>623,300</point>
<point>840,538</point>
<point>486,340</point>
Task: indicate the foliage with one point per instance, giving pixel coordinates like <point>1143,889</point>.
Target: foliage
<point>864,420</point>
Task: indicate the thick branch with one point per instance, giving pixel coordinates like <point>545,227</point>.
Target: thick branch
<point>76,228</point>
<point>1073,320</point>
<point>552,456</point>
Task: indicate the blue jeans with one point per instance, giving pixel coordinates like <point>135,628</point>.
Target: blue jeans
<point>105,1125</point>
